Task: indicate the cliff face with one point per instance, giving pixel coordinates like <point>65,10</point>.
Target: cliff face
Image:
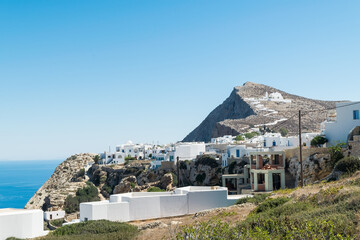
<point>234,107</point>
<point>66,179</point>
<point>245,108</point>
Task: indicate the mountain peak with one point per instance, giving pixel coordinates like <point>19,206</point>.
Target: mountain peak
<point>254,105</point>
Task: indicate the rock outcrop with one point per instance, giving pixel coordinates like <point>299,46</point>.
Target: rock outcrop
<point>246,108</point>
<point>67,178</point>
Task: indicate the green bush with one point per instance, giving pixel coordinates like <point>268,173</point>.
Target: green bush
<point>239,138</point>
<point>231,167</point>
<point>251,135</point>
<point>284,132</point>
<point>200,177</point>
<point>88,193</point>
<point>318,141</point>
<point>348,165</point>
<point>256,199</point>
<point>175,180</point>
<point>336,153</point>
<point>107,189</point>
<point>101,229</point>
<point>97,159</point>
<point>271,203</point>
<point>207,160</point>
<point>155,189</point>
<point>57,222</point>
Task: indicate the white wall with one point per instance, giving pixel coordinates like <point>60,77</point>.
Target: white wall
<point>188,151</point>
<point>339,130</point>
<point>21,223</point>
<point>54,215</point>
<point>144,205</point>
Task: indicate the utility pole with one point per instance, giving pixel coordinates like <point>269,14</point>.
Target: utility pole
<point>300,147</point>
<point>178,171</point>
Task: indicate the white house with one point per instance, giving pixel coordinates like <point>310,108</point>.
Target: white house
<point>21,223</point>
<point>227,139</point>
<point>148,205</point>
<point>275,140</point>
<point>52,215</point>
<point>188,150</point>
<point>337,128</point>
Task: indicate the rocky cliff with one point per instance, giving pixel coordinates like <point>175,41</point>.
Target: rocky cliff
<point>246,108</point>
<point>67,178</point>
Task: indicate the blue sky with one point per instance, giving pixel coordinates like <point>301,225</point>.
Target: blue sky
<point>78,76</point>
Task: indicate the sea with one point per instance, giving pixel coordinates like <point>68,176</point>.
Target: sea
<point>19,180</point>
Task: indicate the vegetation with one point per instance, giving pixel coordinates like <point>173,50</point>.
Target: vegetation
<point>251,135</point>
<point>57,222</point>
<point>81,173</point>
<point>155,189</point>
<point>284,132</point>
<point>207,160</point>
<point>239,138</point>
<point>175,180</point>
<point>231,167</point>
<point>107,188</point>
<point>130,158</point>
<point>88,193</point>
<point>101,229</point>
<point>200,177</point>
<point>97,159</point>
<point>336,153</point>
<point>348,165</point>
<point>318,141</point>
<point>329,213</point>
<point>256,199</point>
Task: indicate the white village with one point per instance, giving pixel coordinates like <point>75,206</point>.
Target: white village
<point>262,154</point>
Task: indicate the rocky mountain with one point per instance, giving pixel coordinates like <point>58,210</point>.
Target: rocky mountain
<point>255,105</point>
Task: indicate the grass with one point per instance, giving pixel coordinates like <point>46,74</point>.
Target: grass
<point>101,229</point>
<point>329,213</point>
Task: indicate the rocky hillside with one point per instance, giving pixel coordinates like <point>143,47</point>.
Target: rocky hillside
<point>67,178</point>
<point>246,108</point>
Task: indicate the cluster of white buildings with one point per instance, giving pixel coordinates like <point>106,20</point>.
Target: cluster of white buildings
<point>157,154</point>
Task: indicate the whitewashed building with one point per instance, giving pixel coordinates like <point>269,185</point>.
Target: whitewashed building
<point>148,205</point>
<point>21,223</point>
<point>188,150</point>
<point>227,139</point>
<point>52,215</point>
<point>275,140</point>
<point>339,125</point>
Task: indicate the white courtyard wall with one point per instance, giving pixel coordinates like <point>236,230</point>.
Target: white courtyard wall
<point>21,224</point>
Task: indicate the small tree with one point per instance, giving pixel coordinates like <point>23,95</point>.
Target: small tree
<point>239,138</point>
<point>97,159</point>
<point>284,132</point>
<point>318,141</point>
<point>336,153</point>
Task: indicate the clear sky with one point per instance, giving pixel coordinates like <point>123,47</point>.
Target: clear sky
<point>78,76</point>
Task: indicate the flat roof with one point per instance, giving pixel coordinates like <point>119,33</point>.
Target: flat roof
<point>4,211</point>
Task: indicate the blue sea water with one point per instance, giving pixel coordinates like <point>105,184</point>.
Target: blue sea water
<point>19,180</point>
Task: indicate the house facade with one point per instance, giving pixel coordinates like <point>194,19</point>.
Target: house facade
<point>267,171</point>
<point>340,124</point>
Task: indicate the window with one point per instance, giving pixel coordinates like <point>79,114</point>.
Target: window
<point>356,114</point>
<point>264,143</point>
<point>277,159</point>
<point>237,153</point>
<point>274,143</point>
<point>261,178</point>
